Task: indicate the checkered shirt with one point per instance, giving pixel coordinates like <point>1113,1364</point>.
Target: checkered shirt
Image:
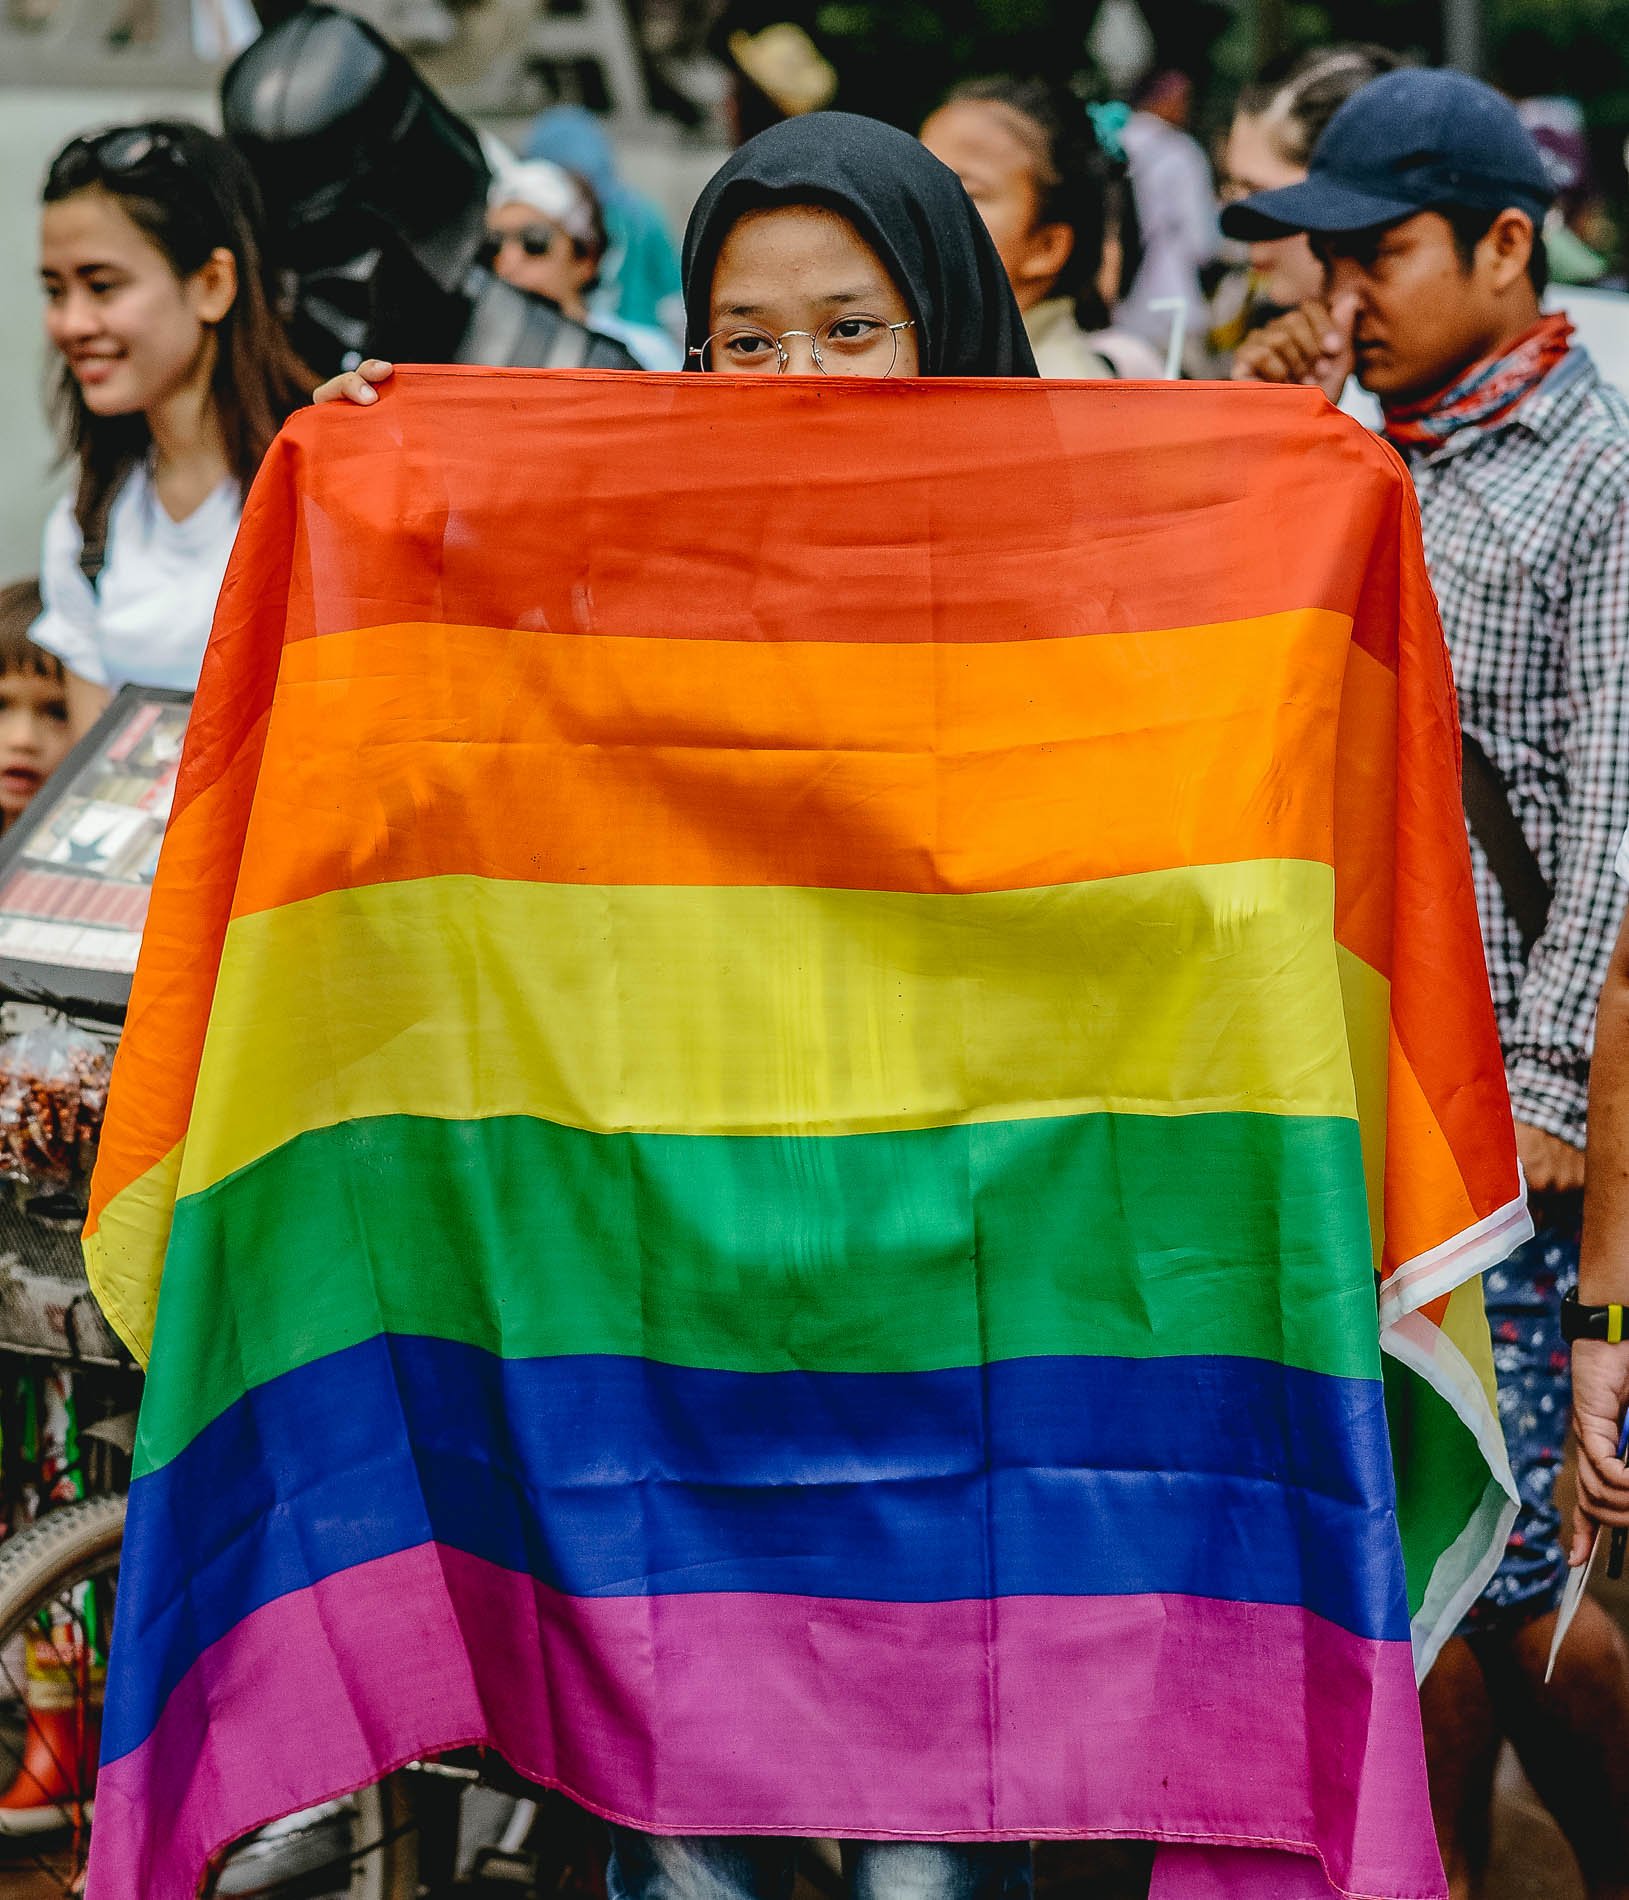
<point>1527,539</point>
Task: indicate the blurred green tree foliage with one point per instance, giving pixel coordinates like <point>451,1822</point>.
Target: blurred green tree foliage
<point>1578,47</point>
<point>897,57</point>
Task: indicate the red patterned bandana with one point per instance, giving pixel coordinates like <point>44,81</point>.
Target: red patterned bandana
<point>1484,393</point>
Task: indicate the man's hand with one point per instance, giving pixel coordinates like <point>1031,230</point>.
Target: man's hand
<point>1310,345</point>
<point>356,385</point>
<point>1600,1396</point>
<point>1552,1166</point>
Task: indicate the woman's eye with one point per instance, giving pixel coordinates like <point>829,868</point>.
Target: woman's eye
<point>56,709</point>
<point>855,329</point>
<point>748,346</point>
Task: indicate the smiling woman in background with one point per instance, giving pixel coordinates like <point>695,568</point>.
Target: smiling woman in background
<point>175,377</point>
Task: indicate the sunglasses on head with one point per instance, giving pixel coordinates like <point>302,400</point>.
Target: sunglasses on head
<point>126,149</point>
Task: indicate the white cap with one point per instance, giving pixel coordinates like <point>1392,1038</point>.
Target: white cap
<point>547,189</point>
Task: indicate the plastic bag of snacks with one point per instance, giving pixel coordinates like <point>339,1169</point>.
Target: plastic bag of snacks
<point>53,1092</point>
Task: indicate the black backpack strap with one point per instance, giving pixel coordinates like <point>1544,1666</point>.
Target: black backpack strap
<point>93,527</point>
<point>1510,857</point>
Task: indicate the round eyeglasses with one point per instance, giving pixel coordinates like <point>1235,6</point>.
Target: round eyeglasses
<point>845,346</point>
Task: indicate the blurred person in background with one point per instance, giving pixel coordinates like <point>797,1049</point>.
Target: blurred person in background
<point>1058,206</point>
<point>1425,197</point>
<point>376,193</point>
<point>1176,209</point>
<point>175,375</point>
<point>34,736</point>
<point>775,69</point>
<point>1277,121</point>
<point>639,273</point>
<point>545,235</point>
<point>1557,127</point>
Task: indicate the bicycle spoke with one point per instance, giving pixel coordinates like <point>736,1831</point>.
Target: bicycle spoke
<point>42,1863</point>
<point>61,1612</point>
<point>50,1713</point>
<point>72,1777</point>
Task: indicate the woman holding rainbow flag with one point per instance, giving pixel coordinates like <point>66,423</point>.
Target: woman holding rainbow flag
<point>776,1211</point>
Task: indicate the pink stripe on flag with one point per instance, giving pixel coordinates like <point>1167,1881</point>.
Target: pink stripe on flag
<point>1246,1873</point>
<point>1154,1717</point>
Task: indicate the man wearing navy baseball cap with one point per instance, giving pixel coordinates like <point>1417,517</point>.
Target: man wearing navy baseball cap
<point>1426,198</point>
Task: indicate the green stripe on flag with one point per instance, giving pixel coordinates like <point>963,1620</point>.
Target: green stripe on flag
<point>1442,1473</point>
<point>1123,1235</point>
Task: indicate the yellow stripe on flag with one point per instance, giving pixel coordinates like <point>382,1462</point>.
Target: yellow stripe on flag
<point>768,1010</point>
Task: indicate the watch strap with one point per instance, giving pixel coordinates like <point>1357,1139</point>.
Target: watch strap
<point>1579,1321</point>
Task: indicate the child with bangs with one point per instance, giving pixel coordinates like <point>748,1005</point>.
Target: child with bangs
<point>34,734</point>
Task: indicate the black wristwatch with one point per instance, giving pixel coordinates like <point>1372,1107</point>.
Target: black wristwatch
<point>1590,1322</point>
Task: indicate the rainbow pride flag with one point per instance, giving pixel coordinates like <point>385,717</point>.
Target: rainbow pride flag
<point>796,1046</point>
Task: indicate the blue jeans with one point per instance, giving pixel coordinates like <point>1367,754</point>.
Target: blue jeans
<point>752,1867</point>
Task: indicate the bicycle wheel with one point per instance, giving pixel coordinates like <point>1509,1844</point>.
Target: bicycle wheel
<point>58,1590</point>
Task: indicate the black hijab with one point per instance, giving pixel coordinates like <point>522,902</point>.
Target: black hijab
<point>908,207</point>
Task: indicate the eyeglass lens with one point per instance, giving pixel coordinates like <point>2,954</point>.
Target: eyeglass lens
<point>846,346</point>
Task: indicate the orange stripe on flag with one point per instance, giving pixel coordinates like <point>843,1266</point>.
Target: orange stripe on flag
<point>1440,1004</point>
<point>1365,794</point>
<point>1426,1197</point>
<point>908,768</point>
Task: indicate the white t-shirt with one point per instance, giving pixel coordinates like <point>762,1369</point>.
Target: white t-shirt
<point>148,617</point>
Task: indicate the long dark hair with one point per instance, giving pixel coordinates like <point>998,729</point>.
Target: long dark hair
<point>1297,95</point>
<point>190,194</point>
<point>1078,182</point>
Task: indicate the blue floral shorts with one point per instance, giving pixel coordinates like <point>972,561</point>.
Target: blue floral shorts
<point>1523,1297</point>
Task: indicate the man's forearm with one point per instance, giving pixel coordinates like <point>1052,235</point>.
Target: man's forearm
<point>1604,1264</point>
